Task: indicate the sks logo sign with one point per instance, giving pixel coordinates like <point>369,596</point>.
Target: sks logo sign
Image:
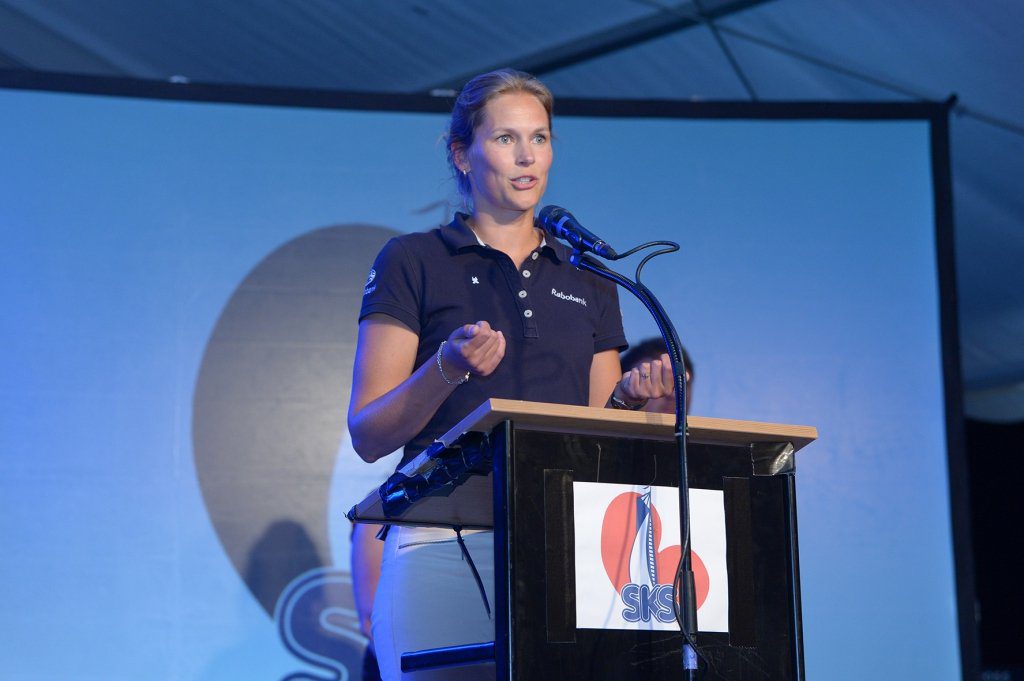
<point>639,569</point>
<point>627,553</point>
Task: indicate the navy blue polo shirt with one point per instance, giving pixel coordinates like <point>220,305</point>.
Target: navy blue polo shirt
<point>555,318</point>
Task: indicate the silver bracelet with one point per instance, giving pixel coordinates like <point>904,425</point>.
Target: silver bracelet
<point>458,381</point>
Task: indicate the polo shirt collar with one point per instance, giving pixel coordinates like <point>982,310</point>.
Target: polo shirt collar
<point>458,236</point>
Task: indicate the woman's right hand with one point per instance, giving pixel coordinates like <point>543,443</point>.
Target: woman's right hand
<point>476,348</point>
<point>392,399</point>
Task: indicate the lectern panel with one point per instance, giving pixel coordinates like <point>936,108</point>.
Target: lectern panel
<point>544,641</point>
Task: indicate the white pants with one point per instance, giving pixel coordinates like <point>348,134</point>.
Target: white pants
<point>427,598</point>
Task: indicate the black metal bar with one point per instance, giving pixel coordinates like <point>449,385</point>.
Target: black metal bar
<point>49,81</point>
<point>727,51</point>
<point>956,449</point>
<point>451,656</point>
<point>624,36</point>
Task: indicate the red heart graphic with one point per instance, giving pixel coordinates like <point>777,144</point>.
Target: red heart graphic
<point>618,532</point>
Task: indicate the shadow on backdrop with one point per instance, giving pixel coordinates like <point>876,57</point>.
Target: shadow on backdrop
<point>268,416</point>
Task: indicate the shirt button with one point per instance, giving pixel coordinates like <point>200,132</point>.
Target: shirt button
<point>522,294</point>
<point>528,314</point>
<point>526,273</point>
<point>535,255</point>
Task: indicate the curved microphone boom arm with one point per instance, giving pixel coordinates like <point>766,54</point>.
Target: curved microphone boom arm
<point>683,583</point>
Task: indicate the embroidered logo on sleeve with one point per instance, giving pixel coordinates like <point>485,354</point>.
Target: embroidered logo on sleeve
<point>570,297</point>
<point>369,280</point>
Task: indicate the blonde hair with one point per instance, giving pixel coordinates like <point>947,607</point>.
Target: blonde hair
<point>469,110</point>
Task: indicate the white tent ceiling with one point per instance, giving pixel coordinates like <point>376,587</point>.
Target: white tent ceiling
<point>869,50</point>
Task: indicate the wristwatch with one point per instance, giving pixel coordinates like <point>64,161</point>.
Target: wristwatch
<point>622,404</point>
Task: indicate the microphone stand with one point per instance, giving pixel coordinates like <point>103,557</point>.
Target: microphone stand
<point>684,576</point>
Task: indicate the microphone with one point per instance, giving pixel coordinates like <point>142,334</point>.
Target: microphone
<point>560,223</point>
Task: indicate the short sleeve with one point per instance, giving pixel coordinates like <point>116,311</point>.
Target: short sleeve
<point>394,286</point>
<point>608,333</point>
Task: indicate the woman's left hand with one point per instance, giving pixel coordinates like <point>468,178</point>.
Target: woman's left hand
<point>648,381</point>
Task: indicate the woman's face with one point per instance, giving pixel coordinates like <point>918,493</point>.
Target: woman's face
<point>509,159</point>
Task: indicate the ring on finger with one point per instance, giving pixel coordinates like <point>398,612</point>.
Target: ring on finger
<point>644,376</point>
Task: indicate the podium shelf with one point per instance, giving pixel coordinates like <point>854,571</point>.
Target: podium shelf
<point>619,422</point>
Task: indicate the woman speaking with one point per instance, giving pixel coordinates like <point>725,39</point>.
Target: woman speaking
<point>482,307</point>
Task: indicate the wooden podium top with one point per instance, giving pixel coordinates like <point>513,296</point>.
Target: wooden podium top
<point>567,418</point>
<point>470,506</point>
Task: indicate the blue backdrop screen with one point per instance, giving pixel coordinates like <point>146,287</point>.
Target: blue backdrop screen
<point>180,283</point>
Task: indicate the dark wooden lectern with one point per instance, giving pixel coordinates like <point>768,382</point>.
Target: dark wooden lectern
<point>538,451</point>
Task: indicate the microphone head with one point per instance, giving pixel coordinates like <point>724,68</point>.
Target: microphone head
<point>549,218</point>
<point>561,224</point>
